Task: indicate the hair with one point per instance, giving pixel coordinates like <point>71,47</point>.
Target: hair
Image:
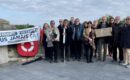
<point>89,22</point>
<point>52,21</point>
<point>128,17</point>
<point>85,22</point>
<point>65,20</point>
<point>95,23</point>
<point>87,30</point>
<point>77,19</point>
<point>45,24</point>
<point>111,18</point>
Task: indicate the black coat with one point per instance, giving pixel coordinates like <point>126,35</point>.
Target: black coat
<point>68,35</point>
<point>99,25</point>
<point>60,27</point>
<point>116,33</point>
<point>125,37</point>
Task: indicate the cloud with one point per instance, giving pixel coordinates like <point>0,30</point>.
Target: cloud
<point>55,9</point>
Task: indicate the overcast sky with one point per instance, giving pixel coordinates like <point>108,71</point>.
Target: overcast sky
<point>39,11</point>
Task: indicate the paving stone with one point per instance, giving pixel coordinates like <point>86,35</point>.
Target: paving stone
<point>72,70</point>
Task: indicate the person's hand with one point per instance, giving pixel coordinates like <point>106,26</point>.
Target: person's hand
<point>90,39</point>
<point>63,34</point>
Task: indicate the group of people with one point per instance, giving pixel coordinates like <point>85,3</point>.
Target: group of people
<point>73,39</point>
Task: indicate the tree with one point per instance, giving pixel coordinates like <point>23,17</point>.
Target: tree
<point>24,26</point>
<point>108,18</point>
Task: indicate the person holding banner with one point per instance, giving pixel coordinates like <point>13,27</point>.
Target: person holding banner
<point>89,44</point>
<point>65,40</point>
<point>116,34</point>
<point>77,39</point>
<point>94,27</point>
<point>102,42</point>
<point>56,35</point>
<point>110,43</point>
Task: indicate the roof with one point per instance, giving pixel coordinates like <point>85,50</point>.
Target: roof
<point>2,21</point>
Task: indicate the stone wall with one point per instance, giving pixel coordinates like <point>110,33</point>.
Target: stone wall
<point>4,58</point>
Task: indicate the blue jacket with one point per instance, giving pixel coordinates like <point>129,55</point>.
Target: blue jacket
<point>79,33</point>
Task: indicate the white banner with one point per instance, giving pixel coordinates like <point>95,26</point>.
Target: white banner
<point>19,36</point>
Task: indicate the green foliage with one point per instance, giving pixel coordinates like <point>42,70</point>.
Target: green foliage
<point>108,18</point>
<point>122,22</point>
<point>24,26</point>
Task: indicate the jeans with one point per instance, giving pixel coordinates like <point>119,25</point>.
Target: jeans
<point>102,49</point>
<point>88,52</point>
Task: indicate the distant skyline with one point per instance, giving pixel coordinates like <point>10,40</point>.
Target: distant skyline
<point>37,12</point>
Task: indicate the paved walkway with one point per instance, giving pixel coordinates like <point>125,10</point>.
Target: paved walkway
<point>73,70</point>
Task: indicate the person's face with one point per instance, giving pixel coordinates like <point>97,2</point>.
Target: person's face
<point>117,19</point>
<point>85,25</point>
<point>46,26</point>
<point>128,20</point>
<point>104,19</point>
<point>52,24</point>
<point>89,25</point>
<point>65,23</point>
<point>72,19</point>
<point>61,22</point>
<point>77,21</point>
<point>112,21</point>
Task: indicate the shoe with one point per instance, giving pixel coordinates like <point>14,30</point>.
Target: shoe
<point>68,60</point>
<point>120,62</point>
<point>78,59</point>
<point>104,60</point>
<point>62,60</point>
<point>55,61</point>
<point>128,66</point>
<point>87,62</point>
<point>113,61</point>
<point>50,61</point>
<point>124,64</point>
<point>73,59</point>
<point>91,62</point>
